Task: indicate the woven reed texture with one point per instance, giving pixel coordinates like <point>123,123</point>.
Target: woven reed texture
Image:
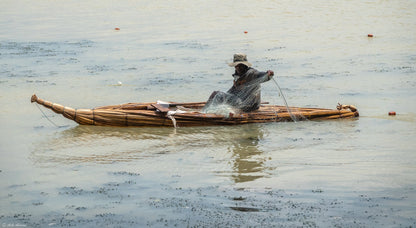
<point>147,114</point>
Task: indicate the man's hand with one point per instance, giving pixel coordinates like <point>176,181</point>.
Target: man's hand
<point>270,73</point>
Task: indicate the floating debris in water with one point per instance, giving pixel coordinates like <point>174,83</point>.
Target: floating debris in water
<point>117,84</point>
<point>245,209</point>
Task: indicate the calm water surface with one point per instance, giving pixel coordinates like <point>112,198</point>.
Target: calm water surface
<point>348,173</point>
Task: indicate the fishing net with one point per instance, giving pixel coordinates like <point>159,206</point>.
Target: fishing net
<point>243,96</point>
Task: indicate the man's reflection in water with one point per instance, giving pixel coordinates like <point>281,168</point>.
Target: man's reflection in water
<point>248,158</point>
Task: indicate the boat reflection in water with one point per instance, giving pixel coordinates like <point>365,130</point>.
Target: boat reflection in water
<point>102,145</point>
<point>248,158</point>
<point>232,152</point>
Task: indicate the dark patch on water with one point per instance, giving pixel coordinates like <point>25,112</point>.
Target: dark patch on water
<point>192,44</point>
<point>141,89</point>
<point>315,76</point>
<point>124,173</point>
<point>168,79</point>
<point>37,203</point>
<point>318,191</point>
<point>381,70</point>
<point>81,208</point>
<point>36,81</point>
<point>351,94</point>
<point>130,69</point>
<point>38,127</point>
<point>202,75</point>
<point>245,209</point>
<point>240,198</point>
<point>79,191</point>
<point>53,73</point>
<point>157,59</point>
<point>296,139</point>
<point>273,59</point>
<point>405,69</point>
<point>95,69</point>
<point>42,49</point>
<point>275,48</point>
<point>24,73</point>
<point>17,185</point>
<point>39,59</point>
<point>189,60</point>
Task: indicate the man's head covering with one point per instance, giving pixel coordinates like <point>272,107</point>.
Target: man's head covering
<point>240,58</point>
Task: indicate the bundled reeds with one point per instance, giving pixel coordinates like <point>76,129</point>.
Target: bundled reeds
<point>153,114</point>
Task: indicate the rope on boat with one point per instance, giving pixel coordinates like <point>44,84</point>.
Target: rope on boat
<point>47,116</point>
<point>171,114</point>
<point>350,107</point>
<point>284,99</point>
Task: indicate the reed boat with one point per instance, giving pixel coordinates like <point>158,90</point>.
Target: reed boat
<point>158,114</point>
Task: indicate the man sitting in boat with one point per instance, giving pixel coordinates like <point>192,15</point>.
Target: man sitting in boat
<point>244,95</point>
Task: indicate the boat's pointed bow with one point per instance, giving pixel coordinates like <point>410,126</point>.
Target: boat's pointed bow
<point>34,98</point>
<point>81,117</point>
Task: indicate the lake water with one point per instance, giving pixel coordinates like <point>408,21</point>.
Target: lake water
<point>347,173</point>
